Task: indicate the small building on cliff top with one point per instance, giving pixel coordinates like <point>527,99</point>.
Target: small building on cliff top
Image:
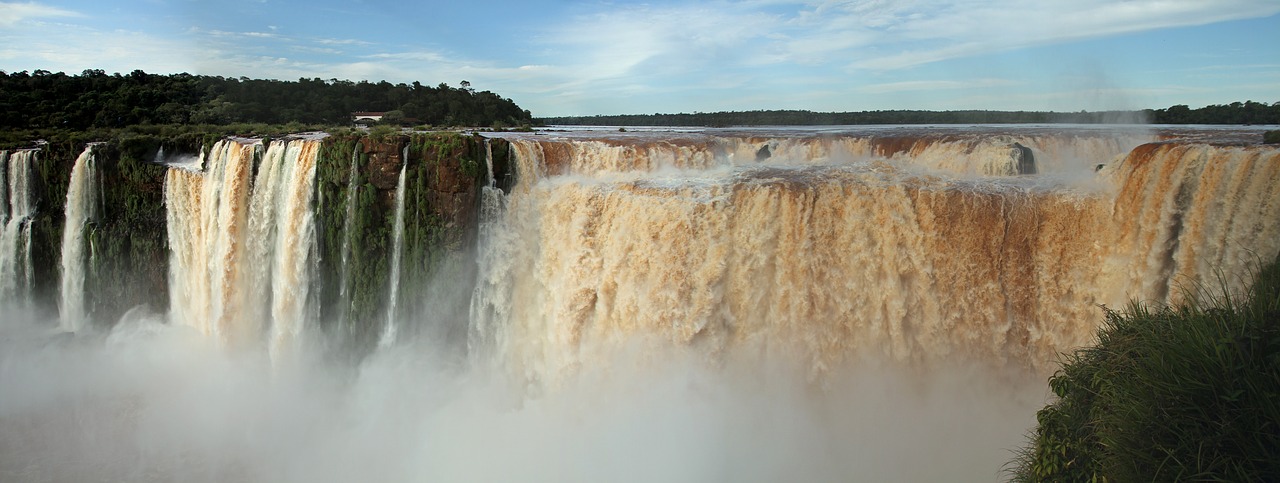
<point>366,118</point>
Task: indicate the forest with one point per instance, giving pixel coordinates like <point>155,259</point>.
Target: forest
<point>95,99</point>
<point>1248,112</point>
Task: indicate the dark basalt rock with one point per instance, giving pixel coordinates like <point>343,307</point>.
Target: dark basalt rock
<point>763,153</point>
<point>1025,159</point>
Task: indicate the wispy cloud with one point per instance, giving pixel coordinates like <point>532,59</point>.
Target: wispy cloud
<point>419,56</point>
<point>935,85</point>
<point>326,41</point>
<point>869,34</point>
<point>13,13</point>
<point>75,48</point>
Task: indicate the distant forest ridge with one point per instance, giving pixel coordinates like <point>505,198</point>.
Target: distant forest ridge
<point>1248,112</point>
<point>95,99</point>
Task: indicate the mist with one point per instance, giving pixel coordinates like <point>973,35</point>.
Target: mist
<point>151,401</point>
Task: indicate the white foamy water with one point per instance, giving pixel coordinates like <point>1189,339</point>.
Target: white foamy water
<point>15,239</point>
<point>242,251</point>
<point>390,329</point>
<point>82,200</point>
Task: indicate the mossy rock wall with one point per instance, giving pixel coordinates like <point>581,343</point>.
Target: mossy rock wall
<point>131,236</point>
<point>127,238</point>
<point>443,176</point>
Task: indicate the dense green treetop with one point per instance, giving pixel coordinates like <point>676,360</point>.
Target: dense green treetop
<point>1249,112</point>
<point>94,99</point>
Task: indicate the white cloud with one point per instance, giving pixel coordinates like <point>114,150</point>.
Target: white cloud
<point>71,49</point>
<point>677,49</point>
<point>640,41</point>
<point>13,13</point>
<point>866,34</point>
<point>418,56</point>
<point>340,41</point>
<point>934,85</point>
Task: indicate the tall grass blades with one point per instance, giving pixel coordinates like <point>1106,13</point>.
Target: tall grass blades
<point>1168,394</point>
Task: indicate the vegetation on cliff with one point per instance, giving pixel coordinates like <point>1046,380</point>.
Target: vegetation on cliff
<point>1169,394</point>
<point>1248,112</point>
<point>128,236</point>
<point>443,175</point>
<point>94,99</point>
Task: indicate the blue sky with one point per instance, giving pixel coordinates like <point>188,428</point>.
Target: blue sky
<point>572,57</point>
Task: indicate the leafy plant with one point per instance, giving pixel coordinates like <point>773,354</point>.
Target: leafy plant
<point>1169,393</point>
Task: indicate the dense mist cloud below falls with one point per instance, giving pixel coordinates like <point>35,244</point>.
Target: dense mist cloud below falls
<point>151,401</point>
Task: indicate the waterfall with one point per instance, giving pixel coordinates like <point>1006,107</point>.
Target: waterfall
<point>485,309</point>
<point>856,256</point>
<point>207,211</point>
<point>242,250</point>
<point>397,241</point>
<point>81,204</point>
<point>4,188</point>
<point>344,276</point>
<point>295,249</point>
<point>15,240</point>
<point>488,163</point>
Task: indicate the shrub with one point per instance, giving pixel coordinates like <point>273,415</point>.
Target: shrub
<point>1185,393</point>
<point>383,132</point>
<point>1271,137</point>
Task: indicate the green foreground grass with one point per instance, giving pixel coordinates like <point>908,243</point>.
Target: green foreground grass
<point>1168,394</point>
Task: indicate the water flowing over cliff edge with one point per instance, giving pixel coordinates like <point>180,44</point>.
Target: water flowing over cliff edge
<point>892,290</point>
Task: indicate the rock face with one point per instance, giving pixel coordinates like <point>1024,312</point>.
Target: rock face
<point>443,175</point>
<point>445,171</point>
<point>763,153</point>
<point>1024,159</point>
<point>384,160</point>
<point>129,240</point>
<point>126,240</point>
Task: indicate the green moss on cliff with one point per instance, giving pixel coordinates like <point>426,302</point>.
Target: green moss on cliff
<point>443,172</point>
<point>351,308</point>
<point>128,237</point>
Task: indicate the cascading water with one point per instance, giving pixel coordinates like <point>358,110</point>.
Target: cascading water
<point>15,240</point>
<point>82,201</point>
<point>295,247</point>
<point>4,188</point>
<point>344,274</point>
<point>241,251</point>
<point>485,311</point>
<point>488,163</point>
<point>842,253</point>
<point>391,328</point>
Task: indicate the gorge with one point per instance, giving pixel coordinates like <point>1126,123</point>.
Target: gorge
<point>587,304</point>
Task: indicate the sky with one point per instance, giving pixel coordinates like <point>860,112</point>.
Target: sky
<point>570,57</point>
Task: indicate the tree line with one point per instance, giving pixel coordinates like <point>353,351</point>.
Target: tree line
<point>1248,112</point>
<point>95,99</point>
